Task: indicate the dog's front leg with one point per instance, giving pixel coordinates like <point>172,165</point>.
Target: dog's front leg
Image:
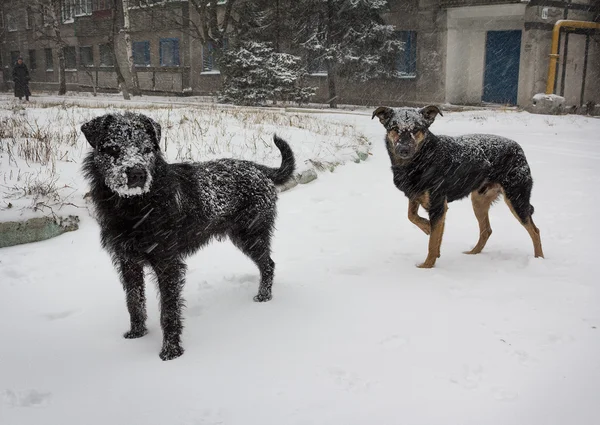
<point>437,218</point>
<point>415,218</point>
<point>171,277</point>
<point>132,278</point>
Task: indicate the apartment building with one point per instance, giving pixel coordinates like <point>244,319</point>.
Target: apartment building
<point>457,51</point>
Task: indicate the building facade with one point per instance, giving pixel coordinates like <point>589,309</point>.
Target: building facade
<point>468,52</point>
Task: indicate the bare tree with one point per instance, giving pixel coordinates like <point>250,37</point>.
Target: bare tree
<point>128,46</point>
<point>48,28</point>
<point>204,26</point>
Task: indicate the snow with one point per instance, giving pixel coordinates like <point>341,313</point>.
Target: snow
<point>355,333</point>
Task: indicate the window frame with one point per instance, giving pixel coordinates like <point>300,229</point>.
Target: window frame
<point>208,50</point>
<point>78,8</point>
<point>46,51</point>
<point>162,43</point>
<point>67,11</point>
<point>32,59</point>
<point>146,53</point>
<point>101,57</point>
<point>405,64</point>
<point>11,20</point>
<point>67,67</point>
<point>82,64</point>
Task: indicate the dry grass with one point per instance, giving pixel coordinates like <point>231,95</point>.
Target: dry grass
<point>45,134</point>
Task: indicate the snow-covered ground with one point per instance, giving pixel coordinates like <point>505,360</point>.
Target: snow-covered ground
<point>355,333</point>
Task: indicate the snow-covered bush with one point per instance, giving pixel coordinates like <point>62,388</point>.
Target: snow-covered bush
<point>254,73</point>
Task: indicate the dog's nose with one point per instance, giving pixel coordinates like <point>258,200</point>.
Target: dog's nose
<point>403,151</point>
<point>136,177</point>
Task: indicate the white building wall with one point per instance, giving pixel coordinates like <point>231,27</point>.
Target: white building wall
<point>465,62</point>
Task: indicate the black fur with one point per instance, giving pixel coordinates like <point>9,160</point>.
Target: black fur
<point>450,168</point>
<point>182,209</point>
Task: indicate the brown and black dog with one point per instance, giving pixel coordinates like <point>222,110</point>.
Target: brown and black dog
<point>433,171</point>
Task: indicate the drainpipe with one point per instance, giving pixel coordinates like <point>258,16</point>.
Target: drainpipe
<point>563,23</point>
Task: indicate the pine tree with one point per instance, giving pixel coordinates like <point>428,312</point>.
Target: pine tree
<point>254,73</point>
<point>255,68</point>
<point>348,37</point>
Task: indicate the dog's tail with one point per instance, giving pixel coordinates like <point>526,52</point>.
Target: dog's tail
<point>288,163</point>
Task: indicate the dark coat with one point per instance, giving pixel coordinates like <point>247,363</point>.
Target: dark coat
<point>20,77</point>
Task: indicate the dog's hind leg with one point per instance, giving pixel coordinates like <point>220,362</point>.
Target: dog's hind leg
<point>170,274</point>
<point>257,246</point>
<point>482,200</point>
<point>132,278</point>
<point>517,199</point>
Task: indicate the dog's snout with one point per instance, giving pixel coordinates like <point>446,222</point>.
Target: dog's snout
<point>403,150</point>
<point>136,177</point>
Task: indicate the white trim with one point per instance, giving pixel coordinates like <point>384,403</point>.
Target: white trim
<point>214,72</point>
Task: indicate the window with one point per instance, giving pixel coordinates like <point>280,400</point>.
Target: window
<point>11,22</point>
<point>49,59</point>
<point>86,56</point>
<point>30,18</point>
<point>317,66</point>
<point>66,8</point>
<point>106,55</point>
<point>101,5</point>
<point>406,62</point>
<point>1,19</point>
<point>70,58</point>
<point>141,53</point>
<point>32,60</point>
<point>209,64</point>
<point>83,7</point>
<point>169,52</point>
<point>14,56</point>
<point>146,3</point>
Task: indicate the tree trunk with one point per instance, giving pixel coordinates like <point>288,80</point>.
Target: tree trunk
<point>135,84</point>
<point>115,41</point>
<point>54,10</point>
<point>331,84</point>
<point>62,75</point>
<point>330,64</point>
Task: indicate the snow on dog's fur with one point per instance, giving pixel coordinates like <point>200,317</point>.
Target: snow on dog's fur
<point>154,213</point>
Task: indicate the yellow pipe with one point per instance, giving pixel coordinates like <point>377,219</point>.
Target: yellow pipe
<point>563,23</point>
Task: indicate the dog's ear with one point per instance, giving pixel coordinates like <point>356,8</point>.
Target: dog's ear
<point>430,112</point>
<point>383,113</point>
<point>153,129</point>
<point>94,130</point>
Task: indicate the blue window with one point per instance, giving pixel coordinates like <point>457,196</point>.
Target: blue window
<point>209,64</point>
<point>406,62</point>
<point>169,52</point>
<point>141,53</point>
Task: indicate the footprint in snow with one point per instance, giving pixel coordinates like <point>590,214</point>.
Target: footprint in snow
<point>348,381</point>
<point>26,398</point>
<point>393,341</point>
<point>60,315</point>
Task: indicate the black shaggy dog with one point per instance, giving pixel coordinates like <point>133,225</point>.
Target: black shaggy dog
<point>435,170</point>
<point>154,213</point>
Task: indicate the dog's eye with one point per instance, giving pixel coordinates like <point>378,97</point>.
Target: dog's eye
<point>111,150</point>
<point>147,150</point>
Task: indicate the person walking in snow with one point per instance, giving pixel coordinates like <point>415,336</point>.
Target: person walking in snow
<point>21,78</point>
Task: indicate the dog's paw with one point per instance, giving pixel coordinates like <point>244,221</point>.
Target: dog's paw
<point>426,265</point>
<point>261,298</point>
<point>171,352</point>
<point>135,333</point>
